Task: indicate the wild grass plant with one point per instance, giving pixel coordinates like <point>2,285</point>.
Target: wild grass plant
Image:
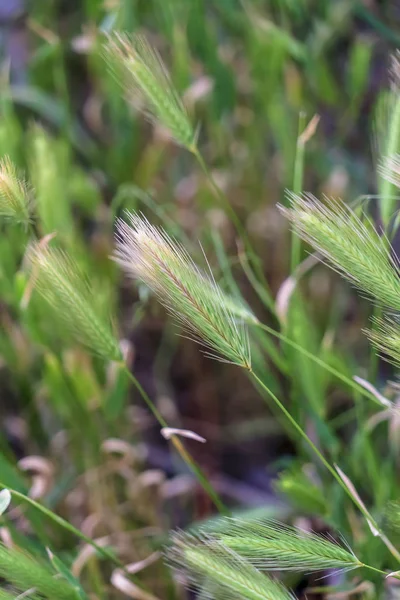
<point>91,507</point>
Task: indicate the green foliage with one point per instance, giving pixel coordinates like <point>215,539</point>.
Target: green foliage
<point>75,436</point>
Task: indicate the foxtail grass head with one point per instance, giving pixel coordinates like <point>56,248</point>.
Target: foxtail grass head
<point>278,547</point>
<point>15,195</point>
<point>58,279</point>
<point>138,68</point>
<point>353,247</point>
<point>385,336</point>
<point>31,578</point>
<point>194,299</point>
<point>220,573</point>
<point>389,169</point>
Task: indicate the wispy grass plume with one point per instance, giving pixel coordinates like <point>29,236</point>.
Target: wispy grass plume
<point>219,573</point>
<point>58,279</point>
<point>353,248</point>
<point>15,195</point>
<point>275,546</point>
<point>195,300</point>
<point>25,573</point>
<point>138,67</point>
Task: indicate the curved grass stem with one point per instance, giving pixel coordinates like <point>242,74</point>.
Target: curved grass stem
<point>318,361</point>
<point>240,229</point>
<point>395,553</point>
<point>180,448</point>
<point>65,525</point>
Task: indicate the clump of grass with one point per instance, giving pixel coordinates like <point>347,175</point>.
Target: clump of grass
<point>15,195</point>
<point>354,248</point>
<point>220,573</point>
<point>138,67</point>
<point>58,279</point>
<point>275,546</point>
<point>194,299</point>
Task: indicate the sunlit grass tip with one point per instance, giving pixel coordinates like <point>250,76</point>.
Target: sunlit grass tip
<point>220,573</point>
<point>139,69</point>
<point>352,246</point>
<point>147,253</point>
<point>59,280</point>
<point>15,194</point>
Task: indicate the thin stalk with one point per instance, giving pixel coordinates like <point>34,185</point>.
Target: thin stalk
<point>180,448</point>
<point>219,194</point>
<point>327,465</point>
<point>232,215</point>
<point>352,384</point>
<point>295,255</point>
<point>65,525</point>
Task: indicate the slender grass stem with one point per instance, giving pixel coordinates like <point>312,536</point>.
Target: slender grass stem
<point>295,255</point>
<point>64,524</point>
<point>232,215</point>
<point>180,448</point>
<point>352,384</point>
<point>327,465</point>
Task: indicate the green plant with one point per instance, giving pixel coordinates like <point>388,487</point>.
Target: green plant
<point>90,369</point>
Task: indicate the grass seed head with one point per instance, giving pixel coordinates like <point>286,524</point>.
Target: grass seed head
<point>389,169</point>
<point>150,255</point>
<point>26,573</point>
<point>15,195</point>
<point>354,248</point>
<point>386,338</point>
<point>209,566</point>
<point>58,279</point>
<point>137,66</point>
<point>275,546</point>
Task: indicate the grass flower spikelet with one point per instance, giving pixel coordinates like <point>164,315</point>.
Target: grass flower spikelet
<point>275,546</point>
<point>58,280</point>
<point>15,197</point>
<point>24,572</point>
<point>353,248</point>
<point>386,337</point>
<point>138,67</point>
<point>221,573</point>
<point>150,255</point>
<point>389,169</point>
